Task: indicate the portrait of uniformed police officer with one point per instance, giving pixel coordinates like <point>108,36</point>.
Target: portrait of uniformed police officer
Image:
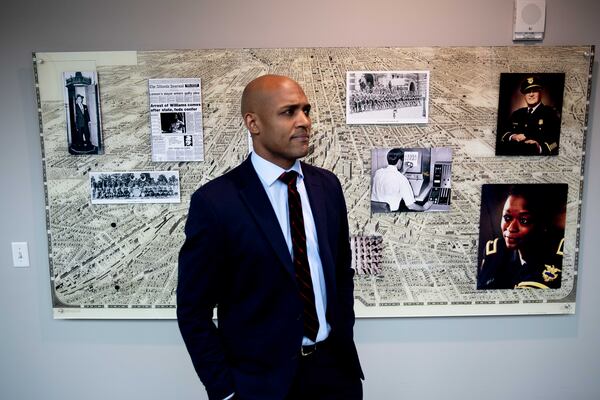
<point>529,114</point>
<point>521,241</point>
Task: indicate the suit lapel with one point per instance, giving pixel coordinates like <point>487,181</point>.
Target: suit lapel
<point>256,200</point>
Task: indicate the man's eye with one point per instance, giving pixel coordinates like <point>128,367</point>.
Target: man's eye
<point>524,220</point>
<point>306,112</point>
<point>507,218</point>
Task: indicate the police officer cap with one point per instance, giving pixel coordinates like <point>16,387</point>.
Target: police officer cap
<point>531,82</point>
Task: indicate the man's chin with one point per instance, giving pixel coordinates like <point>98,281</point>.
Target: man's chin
<point>303,152</point>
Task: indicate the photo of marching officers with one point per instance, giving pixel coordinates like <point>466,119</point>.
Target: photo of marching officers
<point>134,187</point>
<point>392,97</point>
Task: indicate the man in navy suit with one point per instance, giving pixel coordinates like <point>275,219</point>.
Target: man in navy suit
<point>241,255</point>
<point>82,121</point>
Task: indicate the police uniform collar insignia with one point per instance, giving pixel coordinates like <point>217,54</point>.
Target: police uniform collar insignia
<point>562,241</point>
<point>550,273</point>
<point>491,247</point>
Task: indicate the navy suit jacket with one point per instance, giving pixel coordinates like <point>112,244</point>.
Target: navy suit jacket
<point>235,258</point>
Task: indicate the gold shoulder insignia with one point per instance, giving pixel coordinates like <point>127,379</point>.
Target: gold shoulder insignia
<point>531,285</point>
<point>559,251</point>
<point>540,122</point>
<point>551,146</point>
<point>550,273</point>
<point>491,247</point>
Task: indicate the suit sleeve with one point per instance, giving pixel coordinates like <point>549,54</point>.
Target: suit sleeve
<point>510,127</point>
<point>344,271</point>
<point>551,135</point>
<point>345,289</point>
<point>198,291</point>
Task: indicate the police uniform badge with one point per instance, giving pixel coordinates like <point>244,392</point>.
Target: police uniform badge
<point>550,273</point>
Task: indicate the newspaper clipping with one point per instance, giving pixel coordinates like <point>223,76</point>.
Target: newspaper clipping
<point>176,119</point>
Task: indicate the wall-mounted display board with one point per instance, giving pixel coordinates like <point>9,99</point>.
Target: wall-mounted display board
<point>119,260</point>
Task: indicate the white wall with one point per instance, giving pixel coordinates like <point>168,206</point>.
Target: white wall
<point>550,357</point>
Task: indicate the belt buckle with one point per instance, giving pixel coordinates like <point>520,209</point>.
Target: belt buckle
<point>308,350</point>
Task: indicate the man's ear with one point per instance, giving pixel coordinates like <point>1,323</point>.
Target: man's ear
<point>250,120</point>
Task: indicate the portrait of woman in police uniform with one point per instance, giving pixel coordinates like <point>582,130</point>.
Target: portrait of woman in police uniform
<point>521,236</point>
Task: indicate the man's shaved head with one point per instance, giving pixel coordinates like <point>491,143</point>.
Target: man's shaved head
<point>277,114</point>
<point>258,91</point>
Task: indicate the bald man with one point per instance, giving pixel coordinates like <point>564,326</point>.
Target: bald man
<point>267,245</point>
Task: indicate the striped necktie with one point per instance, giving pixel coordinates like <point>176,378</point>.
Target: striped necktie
<point>301,266</point>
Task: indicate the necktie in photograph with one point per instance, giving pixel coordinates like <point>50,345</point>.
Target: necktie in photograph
<point>301,266</point>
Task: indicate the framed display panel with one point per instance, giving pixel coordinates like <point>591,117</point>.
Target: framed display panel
<point>120,260</point>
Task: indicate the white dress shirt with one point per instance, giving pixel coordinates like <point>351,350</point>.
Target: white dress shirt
<point>278,195</point>
<point>391,186</point>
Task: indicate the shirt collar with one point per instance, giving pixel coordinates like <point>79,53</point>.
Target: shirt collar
<point>269,172</point>
<point>521,260</point>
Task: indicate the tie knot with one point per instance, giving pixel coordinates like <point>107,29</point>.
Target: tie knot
<point>289,178</point>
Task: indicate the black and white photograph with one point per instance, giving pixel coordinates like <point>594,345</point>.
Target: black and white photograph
<point>367,254</point>
<point>529,114</point>
<point>411,179</point>
<point>82,104</point>
<point>521,237</point>
<point>172,122</point>
<point>387,97</point>
<point>134,187</point>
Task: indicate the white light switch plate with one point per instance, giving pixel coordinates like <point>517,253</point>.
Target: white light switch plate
<point>20,254</point>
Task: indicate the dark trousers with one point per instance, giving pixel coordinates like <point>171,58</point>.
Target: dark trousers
<point>322,376</point>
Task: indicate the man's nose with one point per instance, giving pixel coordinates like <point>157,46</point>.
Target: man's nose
<point>303,120</point>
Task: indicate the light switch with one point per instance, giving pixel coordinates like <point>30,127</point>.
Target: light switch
<point>20,254</point>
